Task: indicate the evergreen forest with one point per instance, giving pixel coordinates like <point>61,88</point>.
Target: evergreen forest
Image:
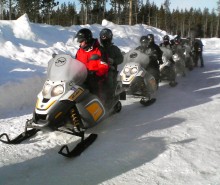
<point>193,22</point>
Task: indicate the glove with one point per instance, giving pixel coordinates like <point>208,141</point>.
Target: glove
<point>112,68</point>
<point>160,61</point>
<point>111,61</point>
<point>93,77</point>
<point>91,73</point>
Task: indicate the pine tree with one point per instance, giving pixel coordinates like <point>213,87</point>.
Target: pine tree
<point>218,10</point>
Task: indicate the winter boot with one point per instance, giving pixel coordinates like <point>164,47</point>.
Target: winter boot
<point>146,101</point>
<point>173,84</point>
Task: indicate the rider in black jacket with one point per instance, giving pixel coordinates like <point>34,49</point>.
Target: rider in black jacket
<point>149,47</point>
<point>197,48</point>
<point>115,58</point>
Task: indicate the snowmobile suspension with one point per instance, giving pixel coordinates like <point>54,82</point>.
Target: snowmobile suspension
<point>76,121</point>
<point>80,132</point>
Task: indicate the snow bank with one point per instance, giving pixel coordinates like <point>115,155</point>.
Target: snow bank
<point>27,47</point>
<point>17,97</point>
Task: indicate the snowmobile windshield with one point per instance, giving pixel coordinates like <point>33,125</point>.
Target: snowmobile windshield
<point>65,68</point>
<point>167,52</point>
<point>136,56</point>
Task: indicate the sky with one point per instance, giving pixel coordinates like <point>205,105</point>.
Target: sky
<point>189,3</point>
<point>212,4</point>
<point>174,141</point>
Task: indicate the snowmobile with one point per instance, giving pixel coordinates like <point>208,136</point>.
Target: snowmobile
<point>136,80</point>
<point>188,57</point>
<point>179,59</point>
<point>66,105</point>
<point>180,67</point>
<point>167,70</point>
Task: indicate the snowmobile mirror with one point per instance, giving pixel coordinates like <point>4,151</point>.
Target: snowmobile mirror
<point>94,57</point>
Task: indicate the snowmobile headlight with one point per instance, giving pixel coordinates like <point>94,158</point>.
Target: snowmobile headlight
<point>126,70</point>
<point>57,90</point>
<point>46,89</point>
<point>176,57</point>
<point>134,70</point>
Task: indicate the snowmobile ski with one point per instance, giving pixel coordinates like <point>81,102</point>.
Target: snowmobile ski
<point>148,102</point>
<point>80,147</point>
<point>21,137</point>
<point>173,84</point>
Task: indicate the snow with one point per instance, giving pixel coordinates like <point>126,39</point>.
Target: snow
<point>174,141</point>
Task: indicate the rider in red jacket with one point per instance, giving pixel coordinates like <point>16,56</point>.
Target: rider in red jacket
<point>90,54</point>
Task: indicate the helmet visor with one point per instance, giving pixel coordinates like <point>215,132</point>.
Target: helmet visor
<point>105,34</point>
<point>80,39</point>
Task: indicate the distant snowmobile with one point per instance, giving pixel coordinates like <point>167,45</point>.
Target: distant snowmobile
<point>136,80</point>
<point>65,105</point>
<point>167,69</point>
<point>188,57</point>
<point>180,66</point>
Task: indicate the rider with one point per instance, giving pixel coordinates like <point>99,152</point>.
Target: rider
<point>115,58</point>
<point>95,60</point>
<point>197,48</point>
<point>166,42</point>
<point>149,47</point>
<point>178,47</point>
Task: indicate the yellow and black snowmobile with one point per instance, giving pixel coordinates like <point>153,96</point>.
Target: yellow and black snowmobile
<point>65,105</point>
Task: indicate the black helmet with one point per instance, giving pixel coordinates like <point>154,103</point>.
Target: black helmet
<point>150,38</point>
<point>106,36</point>
<point>166,38</point>
<point>84,34</point>
<point>177,40</point>
<point>144,41</point>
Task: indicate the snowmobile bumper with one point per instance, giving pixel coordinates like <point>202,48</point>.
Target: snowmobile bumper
<point>40,124</point>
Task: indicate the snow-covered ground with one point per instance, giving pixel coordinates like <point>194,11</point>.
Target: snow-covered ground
<point>174,141</point>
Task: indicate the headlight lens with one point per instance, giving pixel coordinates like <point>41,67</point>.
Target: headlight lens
<point>57,90</point>
<point>134,70</point>
<point>46,89</point>
<point>126,70</point>
<point>176,57</point>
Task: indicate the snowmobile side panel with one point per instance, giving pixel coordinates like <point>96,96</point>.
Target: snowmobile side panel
<point>95,109</point>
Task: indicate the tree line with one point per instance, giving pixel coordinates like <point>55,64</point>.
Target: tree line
<point>188,23</point>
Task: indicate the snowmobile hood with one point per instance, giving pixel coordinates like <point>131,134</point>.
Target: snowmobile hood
<point>137,56</point>
<point>65,68</point>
